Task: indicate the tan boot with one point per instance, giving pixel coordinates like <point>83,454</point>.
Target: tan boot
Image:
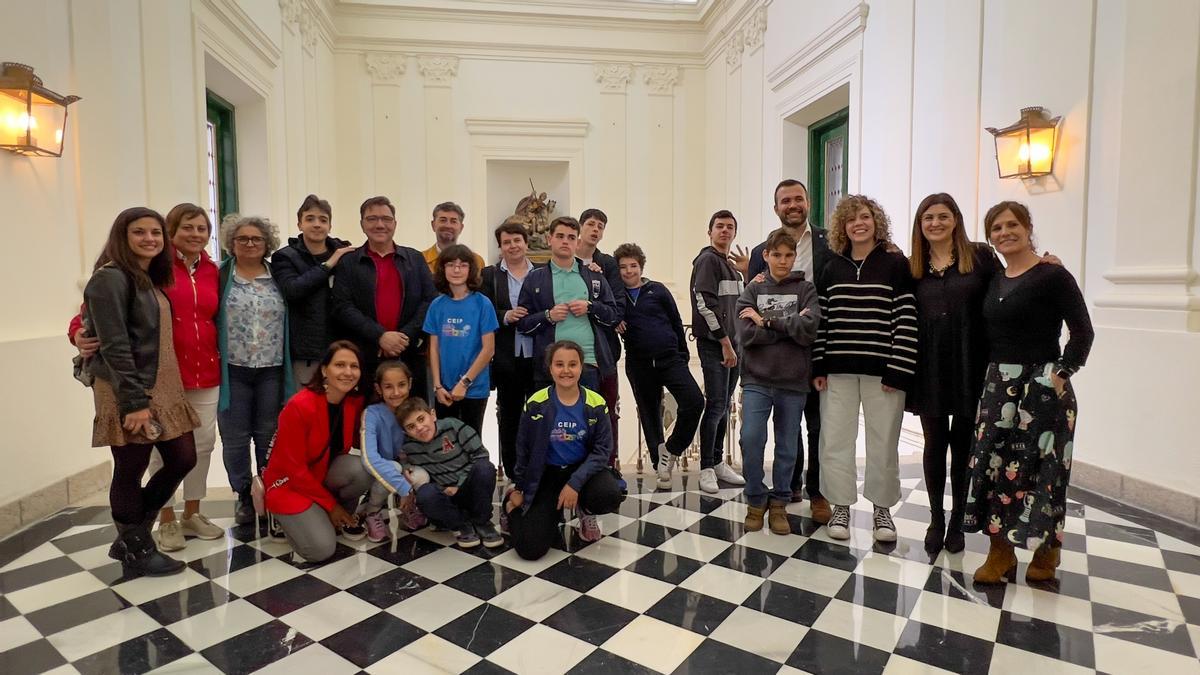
<point>821,513</point>
<point>1001,563</point>
<point>777,518</point>
<point>754,518</point>
<point>1045,561</point>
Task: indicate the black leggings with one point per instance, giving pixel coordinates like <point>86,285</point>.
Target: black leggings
<point>939,433</point>
<point>534,529</point>
<point>130,502</point>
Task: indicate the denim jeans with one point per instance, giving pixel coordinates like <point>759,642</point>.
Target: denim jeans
<point>471,504</point>
<point>785,407</point>
<point>719,384</point>
<point>255,398</point>
<point>810,480</point>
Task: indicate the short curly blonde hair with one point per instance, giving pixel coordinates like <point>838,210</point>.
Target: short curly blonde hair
<point>846,210</point>
<point>232,223</point>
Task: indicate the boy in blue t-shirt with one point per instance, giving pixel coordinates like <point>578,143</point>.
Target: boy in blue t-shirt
<point>461,325</point>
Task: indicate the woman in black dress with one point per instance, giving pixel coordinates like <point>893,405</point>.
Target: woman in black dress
<point>952,276</point>
<point>1021,462</point>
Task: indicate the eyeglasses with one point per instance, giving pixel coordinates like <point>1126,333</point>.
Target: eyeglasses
<point>457,265</point>
<point>386,220</point>
<point>250,241</point>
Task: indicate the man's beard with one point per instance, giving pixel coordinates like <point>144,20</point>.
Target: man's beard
<point>803,219</point>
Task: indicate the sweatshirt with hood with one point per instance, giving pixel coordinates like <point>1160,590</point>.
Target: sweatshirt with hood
<point>778,354</point>
<point>715,286</point>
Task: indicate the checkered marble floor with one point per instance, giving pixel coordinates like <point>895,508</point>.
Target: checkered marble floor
<point>676,586</point>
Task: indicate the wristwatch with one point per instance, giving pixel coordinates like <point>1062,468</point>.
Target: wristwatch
<point>466,380</point>
<point>325,266</point>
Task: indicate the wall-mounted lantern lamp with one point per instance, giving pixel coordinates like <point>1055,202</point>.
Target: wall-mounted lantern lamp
<point>33,119</point>
<point>1026,149</point>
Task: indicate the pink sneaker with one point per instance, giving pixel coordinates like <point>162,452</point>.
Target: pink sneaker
<point>376,530</point>
<point>589,527</point>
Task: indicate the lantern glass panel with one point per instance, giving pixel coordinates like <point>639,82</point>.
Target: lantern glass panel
<point>14,117</point>
<point>1012,154</point>
<point>1040,150</point>
<point>46,132</point>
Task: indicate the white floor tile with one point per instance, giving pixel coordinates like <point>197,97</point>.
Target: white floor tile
<point>735,511</point>
<point>42,553</point>
<point>630,590</point>
<point>312,660</point>
<point>1136,598</point>
<point>970,618</point>
<point>1007,660</point>
<point>762,634</point>
<point>1120,550</point>
<point>53,592</point>
<point>430,655</point>
<point>896,570</point>
<point>723,583</point>
<point>772,543</point>
<point>144,589</point>
<point>219,624</point>
<point>1039,604</point>
<point>652,643</point>
<point>811,577</point>
<point>98,634</point>
<point>541,650</point>
<point>1185,584</point>
<point>1121,656</point>
<point>673,517</point>
<point>15,632</point>
<point>535,599</point>
<point>694,546</point>
<point>614,552</point>
<point>192,664</point>
<point>442,565</point>
<point>900,665</point>
<point>512,561</point>
<point>329,615</point>
<point>257,577</point>
<point>353,570</point>
<point>434,608</point>
<point>860,624</point>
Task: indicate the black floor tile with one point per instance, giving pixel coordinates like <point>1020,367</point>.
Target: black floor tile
<point>38,573</point>
<point>256,648</point>
<point>646,534</point>
<point>76,612</point>
<point>589,619</point>
<point>945,649</point>
<point>391,587</point>
<point>372,639</point>
<point>787,602</point>
<point>636,508</point>
<point>291,595</point>
<point>1126,533</point>
<point>830,555</point>
<point>694,611</point>
<point>34,657</point>
<point>961,585</point>
<point>824,653</point>
<point>486,667</point>
<point>1130,573</point>
<point>600,662</point>
<point>1181,562</point>
<point>407,550</point>
<point>699,503</point>
<point>139,655</point>
<point>1191,609</point>
<point>101,536</point>
<point>718,528</point>
<point>579,574</point>
<point>226,562</point>
<point>484,629</point>
<point>717,658</point>
<point>884,596</point>
<point>664,566</point>
<point>1142,629</point>
<point>186,603</point>
<point>486,581</point>
<point>750,560</point>
<point>1047,638</point>
<point>7,611</point>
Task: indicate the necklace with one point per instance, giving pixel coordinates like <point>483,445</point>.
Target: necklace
<point>939,271</point>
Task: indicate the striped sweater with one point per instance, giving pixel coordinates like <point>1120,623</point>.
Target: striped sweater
<point>449,455</point>
<point>868,319</point>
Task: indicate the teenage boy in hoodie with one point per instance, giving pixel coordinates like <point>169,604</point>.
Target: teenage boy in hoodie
<point>303,270</point>
<point>656,357</point>
<point>778,320</point>
<point>715,286</point>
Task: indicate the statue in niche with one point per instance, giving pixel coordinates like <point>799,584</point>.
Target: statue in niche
<point>535,211</point>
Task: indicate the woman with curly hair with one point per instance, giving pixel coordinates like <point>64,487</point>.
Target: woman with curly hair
<point>865,357</point>
<point>256,369</point>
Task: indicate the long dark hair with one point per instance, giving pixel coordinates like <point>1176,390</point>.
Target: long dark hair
<point>920,247</point>
<point>117,252</point>
<point>460,253</point>
<point>317,383</point>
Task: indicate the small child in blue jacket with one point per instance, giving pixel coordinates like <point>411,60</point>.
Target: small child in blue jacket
<point>383,443</point>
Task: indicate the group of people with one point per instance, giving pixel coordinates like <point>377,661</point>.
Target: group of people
<point>322,347</point>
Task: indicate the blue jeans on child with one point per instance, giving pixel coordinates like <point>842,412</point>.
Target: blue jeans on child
<point>785,407</point>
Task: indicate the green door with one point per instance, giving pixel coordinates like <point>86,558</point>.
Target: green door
<point>222,164</point>
<point>828,153</point>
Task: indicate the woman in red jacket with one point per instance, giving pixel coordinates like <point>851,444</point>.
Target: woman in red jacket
<point>193,297</point>
<point>313,484</point>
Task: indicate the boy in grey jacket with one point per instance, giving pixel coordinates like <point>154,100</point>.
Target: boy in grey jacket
<point>777,324</point>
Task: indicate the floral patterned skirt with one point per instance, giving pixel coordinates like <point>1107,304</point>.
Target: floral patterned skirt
<point>1020,464</point>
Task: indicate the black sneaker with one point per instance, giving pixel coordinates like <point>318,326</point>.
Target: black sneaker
<point>355,532</point>
<point>243,513</point>
<point>466,537</point>
<point>488,535</point>
<point>274,528</point>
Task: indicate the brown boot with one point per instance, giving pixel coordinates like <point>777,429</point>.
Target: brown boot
<point>821,513</point>
<point>777,518</point>
<point>1001,563</point>
<point>754,518</point>
<point>1045,561</point>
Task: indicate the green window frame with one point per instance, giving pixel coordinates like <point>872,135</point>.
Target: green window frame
<point>826,138</point>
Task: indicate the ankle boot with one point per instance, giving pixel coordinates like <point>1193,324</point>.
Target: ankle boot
<point>935,532</point>
<point>777,518</point>
<point>955,541</point>
<point>1001,563</point>
<point>754,518</point>
<point>138,554</point>
<point>1045,561</point>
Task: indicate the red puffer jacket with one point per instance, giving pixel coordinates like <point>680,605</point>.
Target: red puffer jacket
<point>295,473</point>
<point>194,303</point>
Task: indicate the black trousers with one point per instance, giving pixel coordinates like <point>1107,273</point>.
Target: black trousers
<point>511,394</point>
<point>811,480</point>
<point>535,528</point>
<point>131,503</point>
<point>469,410</point>
<point>958,434</point>
<point>648,378</point>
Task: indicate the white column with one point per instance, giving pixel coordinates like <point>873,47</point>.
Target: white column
<point>441,174</point>
<point>386,71</point>
<point>659,166</point>
<point>611,192</point>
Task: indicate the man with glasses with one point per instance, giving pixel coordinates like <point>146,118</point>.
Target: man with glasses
<point>381,293</point>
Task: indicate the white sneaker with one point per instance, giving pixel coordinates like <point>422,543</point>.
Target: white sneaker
<point>708,481</point>
<point>726,474</point>
<point>199,526</point>
<point>666,464</point>
<point>169,536</point>
<point>885,529</point>
<point>839,522</point>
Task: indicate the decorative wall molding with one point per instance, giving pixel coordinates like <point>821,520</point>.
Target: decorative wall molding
<point>386,68</point>
<point>613,77</point>
<point>660,80</point>
<point>849,27</point>
<point>290,12</point>
<point>437,69</point>
<point>232,16</point>
<point>756,28</point>
<point>1174,274</point>
<point>734,49</point>
<point>510,126</point>
<point>309,31</point>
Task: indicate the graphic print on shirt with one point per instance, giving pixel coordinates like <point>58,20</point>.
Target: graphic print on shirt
<point>447,445</point>
<point>777,306</point>
<point>456,327</point>
<point>567,431</point>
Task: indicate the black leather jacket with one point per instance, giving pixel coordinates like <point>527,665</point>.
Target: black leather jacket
<point>125,318</point>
